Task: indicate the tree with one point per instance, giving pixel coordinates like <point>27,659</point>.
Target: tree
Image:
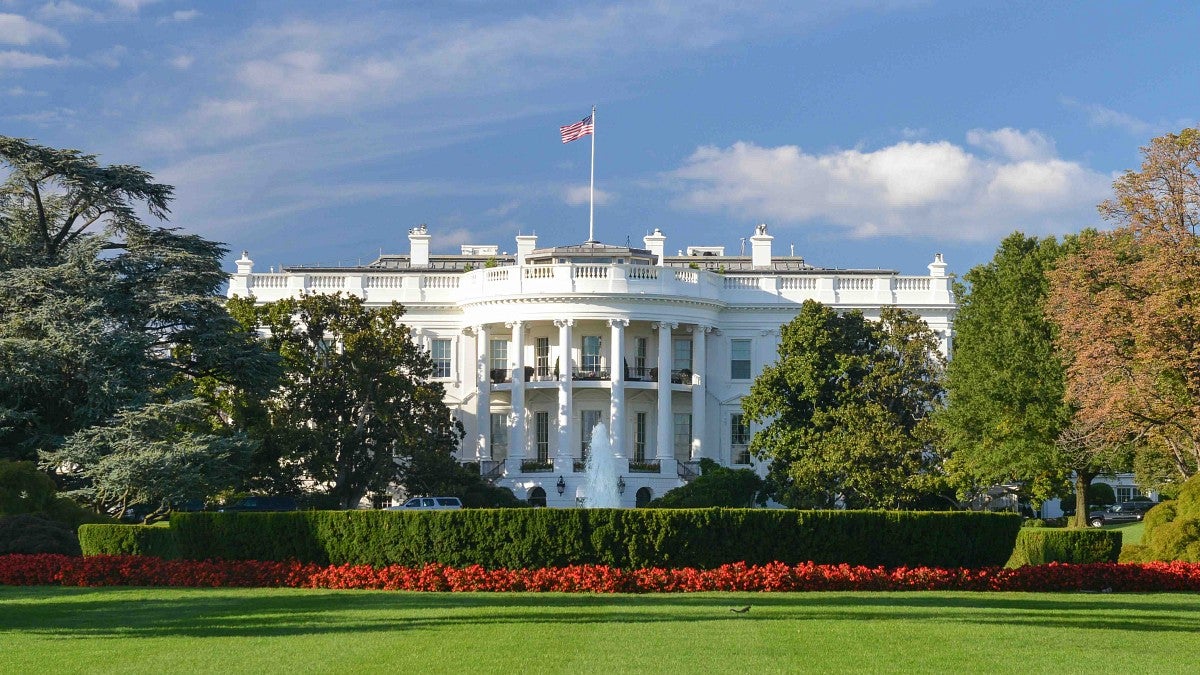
<point>1007,418</point>
<point>845,410</point>
<point>715,486</point>
<point>102,315</point>
<point>357,409</point>
<point>1126,306</point>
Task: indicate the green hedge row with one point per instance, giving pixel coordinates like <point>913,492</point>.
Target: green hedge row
<point>1037,546</point>
<point>626,538</point>
<point>100,539</point>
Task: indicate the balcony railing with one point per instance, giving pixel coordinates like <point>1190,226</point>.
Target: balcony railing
<point>645,466</point>
<point>536,466</point>
<point>590,374</point>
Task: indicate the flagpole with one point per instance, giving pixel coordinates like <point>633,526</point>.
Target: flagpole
<point>592,185</point>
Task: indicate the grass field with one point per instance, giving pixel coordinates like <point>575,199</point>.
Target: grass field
<point>288,630</point>
<point>1131,533</point>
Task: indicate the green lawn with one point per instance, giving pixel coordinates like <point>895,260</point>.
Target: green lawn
<point>1131,533</point>
<point>289,630</point>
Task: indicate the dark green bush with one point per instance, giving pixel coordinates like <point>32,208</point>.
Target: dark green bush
<point>102,539</point>
<point>1173,527</point>
<point>35,533</point>
<point>627,538</point>
<point>1037,546</point>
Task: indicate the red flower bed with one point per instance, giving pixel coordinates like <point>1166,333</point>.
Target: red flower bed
<point>60,570</point>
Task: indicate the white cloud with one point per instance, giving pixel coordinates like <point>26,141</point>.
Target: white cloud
<point>578,194</point>
<point>18,60</point>
<point>182,62</point>
<point>908,189</point>
<point>180,16</point>
<point>1101,116</point>
<point>132,5</point>
<point>1012,143</point>
<point>67,11</point>
<point>110,57</point>
<point>17,30</point>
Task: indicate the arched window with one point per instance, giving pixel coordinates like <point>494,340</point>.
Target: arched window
<point>643,497</point>
<point>537,497</point>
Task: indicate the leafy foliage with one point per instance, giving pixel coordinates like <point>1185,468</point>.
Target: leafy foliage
<point>128,540</point>
<point>35,533</point>
<point>715,486</point>
<point>1038,546</point>
<point>846,409</point>
<point>1173,527</point>
<point>357,409</point>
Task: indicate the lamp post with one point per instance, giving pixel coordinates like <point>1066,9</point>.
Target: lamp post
<point>562,486</point>
<point>620,485</point>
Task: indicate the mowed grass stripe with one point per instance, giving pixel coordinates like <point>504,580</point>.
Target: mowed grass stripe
<point>294,630</point>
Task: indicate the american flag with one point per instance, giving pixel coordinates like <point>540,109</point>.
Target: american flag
<point>573,132</point>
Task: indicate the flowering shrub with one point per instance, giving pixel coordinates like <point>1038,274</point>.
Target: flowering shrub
<point>61,570</point>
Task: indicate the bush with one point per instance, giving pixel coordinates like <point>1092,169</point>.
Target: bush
<point>35,533</point>
<point>715,486</point>
<point>150,540</point>
<point>625,538</point>
<point>1173,528</point>
<point>1038,546</point>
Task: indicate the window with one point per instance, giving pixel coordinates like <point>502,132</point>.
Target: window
<point>498,356</point>
<point>739,359</point>
<point>442,358</point>
<point>639,437</point>
<point>541,356</point>
<point>591,353</point>
<point>541,430</point>
<point>681,355</point>
<point>498,438</point>
<point>589,419</point>
<point>739,439</point>
<point>1124,494</point>
<point>683,435</point>
<point>639,358</point>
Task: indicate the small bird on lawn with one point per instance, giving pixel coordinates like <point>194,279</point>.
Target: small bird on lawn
<point>740,610</point>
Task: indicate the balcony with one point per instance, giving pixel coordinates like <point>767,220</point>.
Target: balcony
<point>645,466</point>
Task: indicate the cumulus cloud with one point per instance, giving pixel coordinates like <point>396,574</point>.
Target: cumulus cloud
<point>17,30</point>
<point>18,60</point>
<point>908,189</point>
<point>578,194</point>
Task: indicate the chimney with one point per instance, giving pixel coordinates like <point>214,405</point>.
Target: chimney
<point>656,243</point>
<point>760,247</point>
<point>244,264</point>
<point>418,246</point>
<point>937,268</point>
<point>525,245</point>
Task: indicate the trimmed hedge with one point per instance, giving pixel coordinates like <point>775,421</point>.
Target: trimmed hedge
<point>98,539</point>
<point>623,538</point>
<point>1038,546</point>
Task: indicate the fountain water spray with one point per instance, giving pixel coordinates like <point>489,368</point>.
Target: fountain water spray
<point>600,479</point>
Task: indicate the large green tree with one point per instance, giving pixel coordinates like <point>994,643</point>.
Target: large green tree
<point>845,409</point>
<point>357,409</point>
<point>103,315</point>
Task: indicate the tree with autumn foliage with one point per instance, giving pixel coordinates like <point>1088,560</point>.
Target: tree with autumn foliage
<point>1127,304</point>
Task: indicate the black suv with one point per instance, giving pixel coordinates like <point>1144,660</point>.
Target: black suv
<point>1125,512</point>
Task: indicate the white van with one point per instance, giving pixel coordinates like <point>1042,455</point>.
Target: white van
<point>429,504</point>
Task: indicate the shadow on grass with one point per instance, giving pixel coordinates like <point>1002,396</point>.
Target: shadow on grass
<point>127,612</point>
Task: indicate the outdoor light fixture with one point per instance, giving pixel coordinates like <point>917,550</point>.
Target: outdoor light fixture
<point>620,485</point>
<point>562,485</point>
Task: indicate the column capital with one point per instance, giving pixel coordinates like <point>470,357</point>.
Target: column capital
<point>618,323</point>
<point>701,328</point>
<point>669,325</point>
<point>477,329</point>
<point>562,323</point>
<point>769,331</point>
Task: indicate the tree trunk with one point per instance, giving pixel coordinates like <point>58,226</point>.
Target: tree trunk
<point>1082,481</point>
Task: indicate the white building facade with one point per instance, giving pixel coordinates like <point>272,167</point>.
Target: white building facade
<point>536,348</point>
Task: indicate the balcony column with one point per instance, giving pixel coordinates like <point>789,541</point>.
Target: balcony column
<point>563,462</point>
<point>516,418</point>
<point>699,387</point>
<point>664,452</point>
<point>616,369</point>
<point>483,391</point>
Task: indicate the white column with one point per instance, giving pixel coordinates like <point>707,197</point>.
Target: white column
<point>616,408</point>
<point>483,391</point>
<point>664,452</point>
<point>562,454</point>
<point>516,419</point>
<point>699,387</point>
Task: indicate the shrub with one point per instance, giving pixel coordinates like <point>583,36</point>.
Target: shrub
<point>1173,528</point>
<point>35,533</point>
<point>1038,546</point>
<point>624,538</point>
<point>156,541</point>
<point>715,486</point>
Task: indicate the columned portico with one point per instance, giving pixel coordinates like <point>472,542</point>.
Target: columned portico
<point>516,418</point>
<point>664,452</point>
<point>562,454</point>
<point>699,380</point>
<point>616,408</point>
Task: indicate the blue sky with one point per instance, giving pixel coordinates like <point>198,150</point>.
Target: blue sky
<point>865,134</point>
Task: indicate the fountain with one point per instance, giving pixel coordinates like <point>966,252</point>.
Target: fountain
<point>600,477</point>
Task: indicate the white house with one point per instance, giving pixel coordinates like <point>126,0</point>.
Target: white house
<point>536,348</point>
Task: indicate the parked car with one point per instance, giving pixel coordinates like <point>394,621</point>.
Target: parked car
<point>261,504</point>
<point>429,504</point>
<point>1125,512</point>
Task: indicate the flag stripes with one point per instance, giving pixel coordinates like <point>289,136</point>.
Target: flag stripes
<point>578,130</point>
